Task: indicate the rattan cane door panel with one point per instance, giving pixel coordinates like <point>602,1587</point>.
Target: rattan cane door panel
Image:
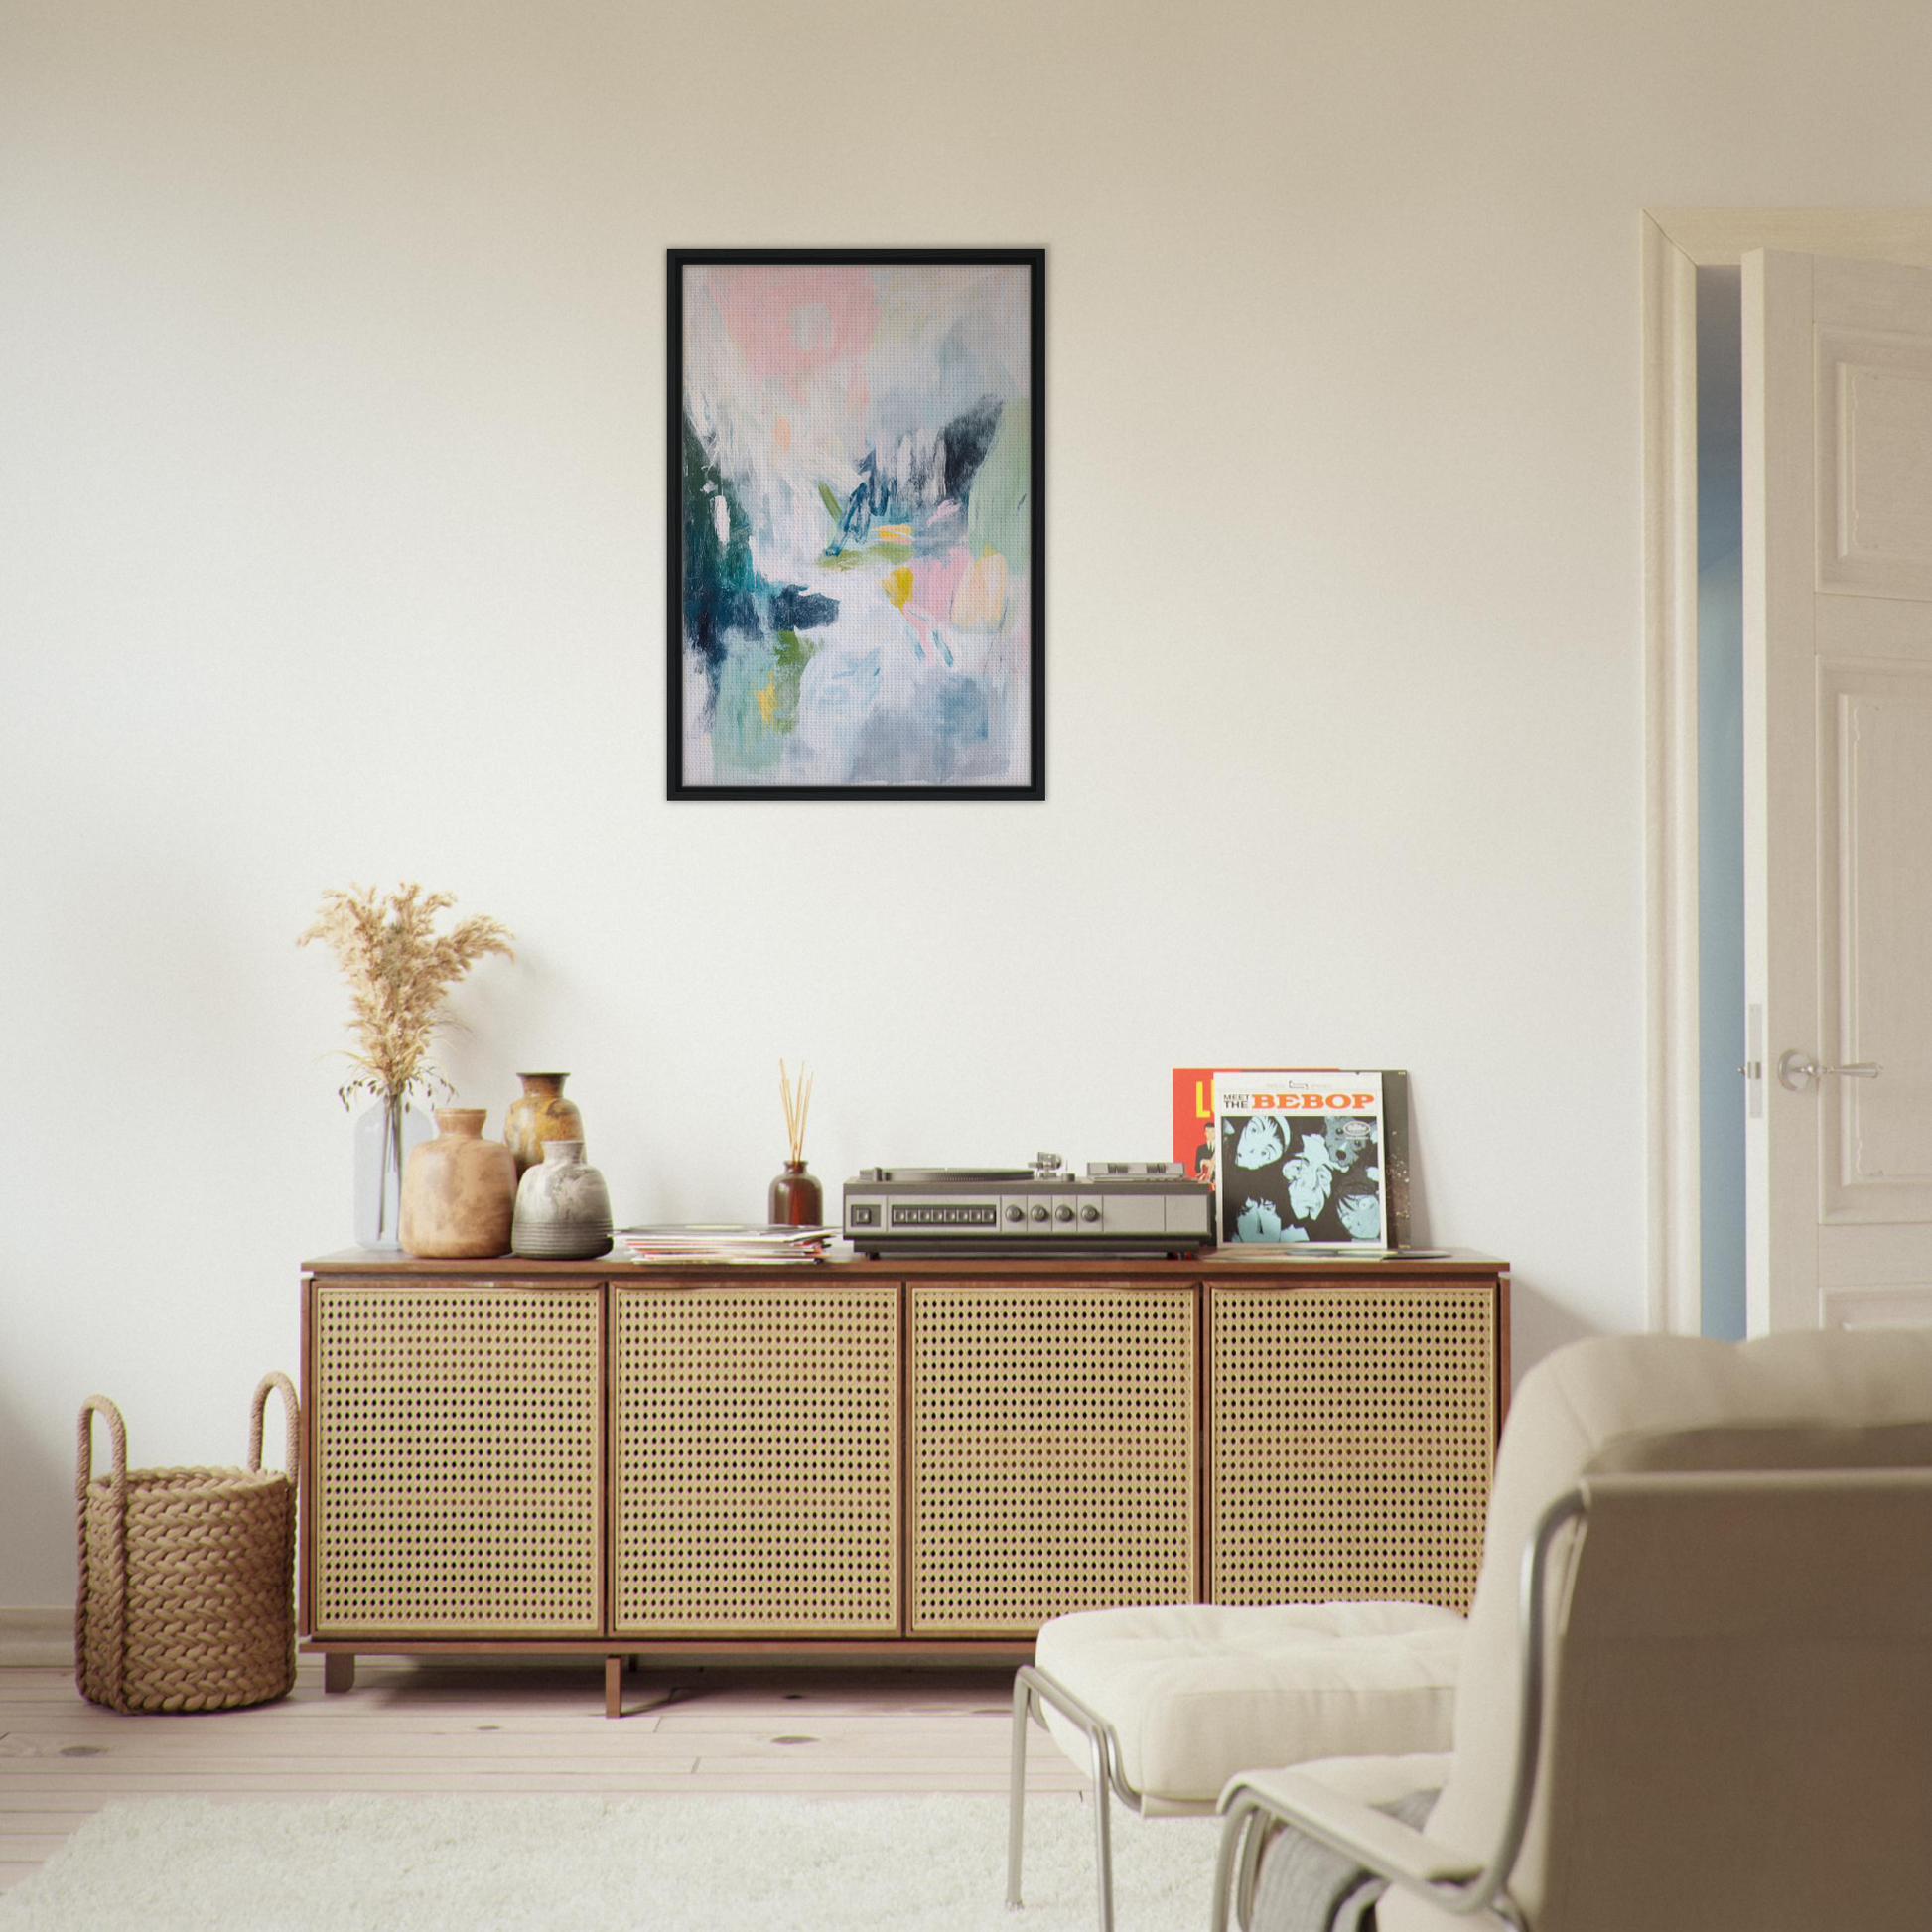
<point>757,1457</point>
<point>1352,1439</point>
<point>458,1479</point>
<point>1053,1463</point>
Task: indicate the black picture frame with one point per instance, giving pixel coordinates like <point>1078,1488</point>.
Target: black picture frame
<point>678,260</point>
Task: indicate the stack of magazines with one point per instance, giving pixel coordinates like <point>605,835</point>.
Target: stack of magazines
<point>698,1241</point>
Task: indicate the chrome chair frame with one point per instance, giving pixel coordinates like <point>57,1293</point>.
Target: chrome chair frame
<point>1031,1689</point>
<point>1253,1816</point>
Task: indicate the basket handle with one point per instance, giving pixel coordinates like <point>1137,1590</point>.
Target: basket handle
<point>113,1639</point>
<point>290,1408</point>
<point>118,1434</point>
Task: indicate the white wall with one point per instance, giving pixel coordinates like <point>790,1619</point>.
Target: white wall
<point>331,440</point>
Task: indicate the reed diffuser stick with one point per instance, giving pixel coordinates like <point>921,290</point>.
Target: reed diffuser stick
<point>797,1101</point>
<point>795,1199</point>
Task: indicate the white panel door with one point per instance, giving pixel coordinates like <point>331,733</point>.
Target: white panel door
<point>1838,777</point>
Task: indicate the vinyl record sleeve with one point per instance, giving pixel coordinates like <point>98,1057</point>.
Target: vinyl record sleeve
<point>1197,1148</point>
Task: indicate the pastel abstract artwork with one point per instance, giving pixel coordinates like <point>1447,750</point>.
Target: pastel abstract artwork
<point>855,525</point>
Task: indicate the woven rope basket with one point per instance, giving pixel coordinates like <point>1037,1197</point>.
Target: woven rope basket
<point>187,1576</point>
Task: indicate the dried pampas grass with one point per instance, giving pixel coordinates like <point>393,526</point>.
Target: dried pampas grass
<point>398,969</point>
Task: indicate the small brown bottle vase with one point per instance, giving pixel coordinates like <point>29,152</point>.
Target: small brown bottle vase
<point>796,1200</point>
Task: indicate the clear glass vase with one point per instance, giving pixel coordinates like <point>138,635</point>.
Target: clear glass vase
<point>384,1135</point>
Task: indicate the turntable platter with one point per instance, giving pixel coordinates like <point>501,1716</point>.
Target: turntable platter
<point>935,1175</point>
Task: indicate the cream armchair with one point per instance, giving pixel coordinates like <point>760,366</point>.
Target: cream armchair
<point>1696,1692</point>
<point>1163,1705</point>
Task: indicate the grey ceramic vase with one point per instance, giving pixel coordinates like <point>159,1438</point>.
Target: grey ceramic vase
<point>563,1209</point>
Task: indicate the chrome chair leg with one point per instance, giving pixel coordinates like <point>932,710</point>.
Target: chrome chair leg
<point>1022,1706</point>
<point>1103,1807</point>
<point>1032,1694</point>
<point>1248,1874</point>
<point>1229,1860</point>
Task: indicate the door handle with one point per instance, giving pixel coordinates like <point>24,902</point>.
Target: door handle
<point>1797,1070</point>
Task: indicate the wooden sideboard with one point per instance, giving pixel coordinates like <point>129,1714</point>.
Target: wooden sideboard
<point>880,1459</point>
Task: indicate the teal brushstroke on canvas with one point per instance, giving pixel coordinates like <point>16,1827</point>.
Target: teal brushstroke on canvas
<point>885,555</point>
<point>758,703</point>
<point>788,663</point>
<point>720,582</point>
<point>743,746</point>
<point>724,594</point>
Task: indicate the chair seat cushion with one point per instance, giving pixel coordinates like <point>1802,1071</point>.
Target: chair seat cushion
<point>1198,1691</point>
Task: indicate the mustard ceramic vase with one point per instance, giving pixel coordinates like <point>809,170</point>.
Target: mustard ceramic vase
<point>459,1191</point>
<point>540,1113</point>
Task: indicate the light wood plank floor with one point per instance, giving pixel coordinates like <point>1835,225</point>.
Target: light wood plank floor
<point>510,1727</point>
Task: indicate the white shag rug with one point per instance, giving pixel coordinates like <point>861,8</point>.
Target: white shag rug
<point>757,1863</point>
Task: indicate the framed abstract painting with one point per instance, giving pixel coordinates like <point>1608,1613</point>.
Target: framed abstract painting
<point>855,523</point>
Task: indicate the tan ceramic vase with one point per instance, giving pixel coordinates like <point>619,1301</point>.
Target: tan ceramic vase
<point>459,1191</point>
<point>540,1113</point>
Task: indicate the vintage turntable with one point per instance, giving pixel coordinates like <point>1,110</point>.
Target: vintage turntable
<point>1128,1207</point>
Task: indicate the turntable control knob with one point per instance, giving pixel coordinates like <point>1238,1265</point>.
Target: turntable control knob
<point>1089,1212</point>
<point>1039,1214</point>
<point>1064,1213</point>
<point>1015,1213</point>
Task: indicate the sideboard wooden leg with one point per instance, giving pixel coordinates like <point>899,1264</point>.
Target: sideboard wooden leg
<point>339,1670</point>
<point>614,1687</point>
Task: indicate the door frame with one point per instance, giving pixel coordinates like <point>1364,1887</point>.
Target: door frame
<point>1675,242</point>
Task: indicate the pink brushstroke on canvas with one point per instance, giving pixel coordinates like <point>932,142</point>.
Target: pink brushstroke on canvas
<point>792,323</point>
<point>934,580</point>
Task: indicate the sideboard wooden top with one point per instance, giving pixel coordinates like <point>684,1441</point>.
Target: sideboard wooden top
<point>1215,1264</point>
